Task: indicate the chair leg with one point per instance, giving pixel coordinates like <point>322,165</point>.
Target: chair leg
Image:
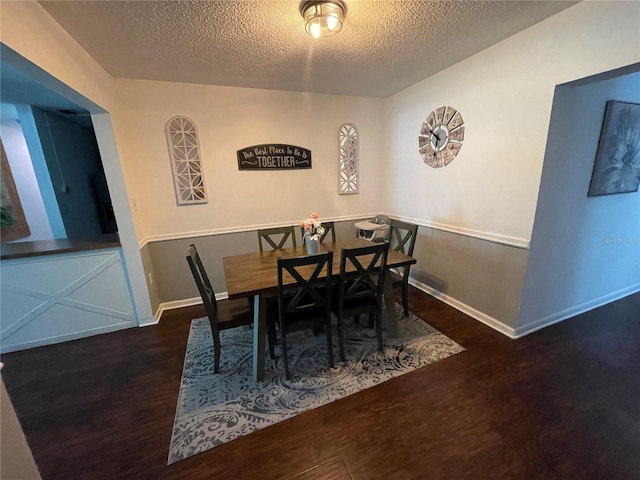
<point>327,329</point>
<point>372,319</point>
<point>285,355</point>
<point>216,354</point>
<point>271,334</point>
<point>341,338</point>
<point>405,298</point>
<point>379,329</point>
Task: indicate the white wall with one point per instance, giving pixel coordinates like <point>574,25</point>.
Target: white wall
<point>29,30</point>
<point>490,190</point>
<point>504,94</point>
<point>585,251</point>
<point>59,63</point>
<point>229,119</point>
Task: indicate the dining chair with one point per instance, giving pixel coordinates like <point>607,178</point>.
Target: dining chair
<point>402,238</point>
<point>277,234</point>
<point>360,286</point>
<point>306,303</point>
<point>329,228</point>
<point>222,315</point>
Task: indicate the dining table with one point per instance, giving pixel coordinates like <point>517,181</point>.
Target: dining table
<point>255,275</point>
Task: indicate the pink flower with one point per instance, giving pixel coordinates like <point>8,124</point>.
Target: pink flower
<point>313,227</point>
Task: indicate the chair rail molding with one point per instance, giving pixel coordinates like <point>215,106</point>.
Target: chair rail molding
<point>499,238</point>
<point>511,241</point>
<point>241,229</point>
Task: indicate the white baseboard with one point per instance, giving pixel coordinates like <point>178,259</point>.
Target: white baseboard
<point>497,325</point>
<point>464,308</point>
<point>187,302</point>
<point>149,322</point>
<point>65,337</point>
<point>576,310</point>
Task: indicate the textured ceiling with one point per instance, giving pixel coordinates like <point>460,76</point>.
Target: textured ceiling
<point>385,45</point>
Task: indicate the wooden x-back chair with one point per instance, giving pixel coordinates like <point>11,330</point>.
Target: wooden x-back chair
<point>277,237</point>
<point>222,315</point>
<point>305,303</point>
<point>360,287</point>
<point>402,238</point>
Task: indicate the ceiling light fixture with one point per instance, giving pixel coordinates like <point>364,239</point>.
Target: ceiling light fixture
<point>323,18</point>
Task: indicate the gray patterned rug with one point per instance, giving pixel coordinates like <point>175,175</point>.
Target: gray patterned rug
<point>214,409</point>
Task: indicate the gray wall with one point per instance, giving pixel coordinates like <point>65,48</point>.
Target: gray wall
<point>456,266</point>
<point>480,274</point>
<point>152,286</point>
<point>172,280</point>
<point>585,251</point>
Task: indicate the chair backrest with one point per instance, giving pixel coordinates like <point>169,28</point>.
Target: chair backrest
<point>329,227</point>
<point>311,291</point>
<point>204,286</point>
<point>270,236</point>
<point>402,236</point>
<point>366,282</point>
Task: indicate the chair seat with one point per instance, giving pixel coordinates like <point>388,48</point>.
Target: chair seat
<point>233,313</point>
<point>354,307</point>
<point>305,319</point>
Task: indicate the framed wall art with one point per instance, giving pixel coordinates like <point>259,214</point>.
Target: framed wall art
<point>14,224</point>
<point>348,146</point>
<point>617,165</point>
<point>186,165</point>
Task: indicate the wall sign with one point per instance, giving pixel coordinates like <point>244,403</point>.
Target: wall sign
<point>273,156</point>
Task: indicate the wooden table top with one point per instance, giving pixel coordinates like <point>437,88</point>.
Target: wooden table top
<point>256,273</point>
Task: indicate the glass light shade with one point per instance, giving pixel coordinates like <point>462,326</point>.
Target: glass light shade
<point>323,19</point>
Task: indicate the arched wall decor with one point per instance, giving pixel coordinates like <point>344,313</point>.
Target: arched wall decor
<point>348,146</point>
<point>184,151</point>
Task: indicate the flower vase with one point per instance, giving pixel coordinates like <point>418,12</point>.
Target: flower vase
<point>313,245</point>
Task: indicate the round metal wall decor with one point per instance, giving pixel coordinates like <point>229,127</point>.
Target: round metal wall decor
<point>441,137</point>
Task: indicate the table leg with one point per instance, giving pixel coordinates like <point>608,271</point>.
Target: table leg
<point>259,333</point>
<point>390,304</point>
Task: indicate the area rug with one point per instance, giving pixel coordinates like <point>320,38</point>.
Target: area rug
<point>216,408</point>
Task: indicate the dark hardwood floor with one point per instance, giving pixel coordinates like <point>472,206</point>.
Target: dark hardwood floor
<point>561,403</point>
